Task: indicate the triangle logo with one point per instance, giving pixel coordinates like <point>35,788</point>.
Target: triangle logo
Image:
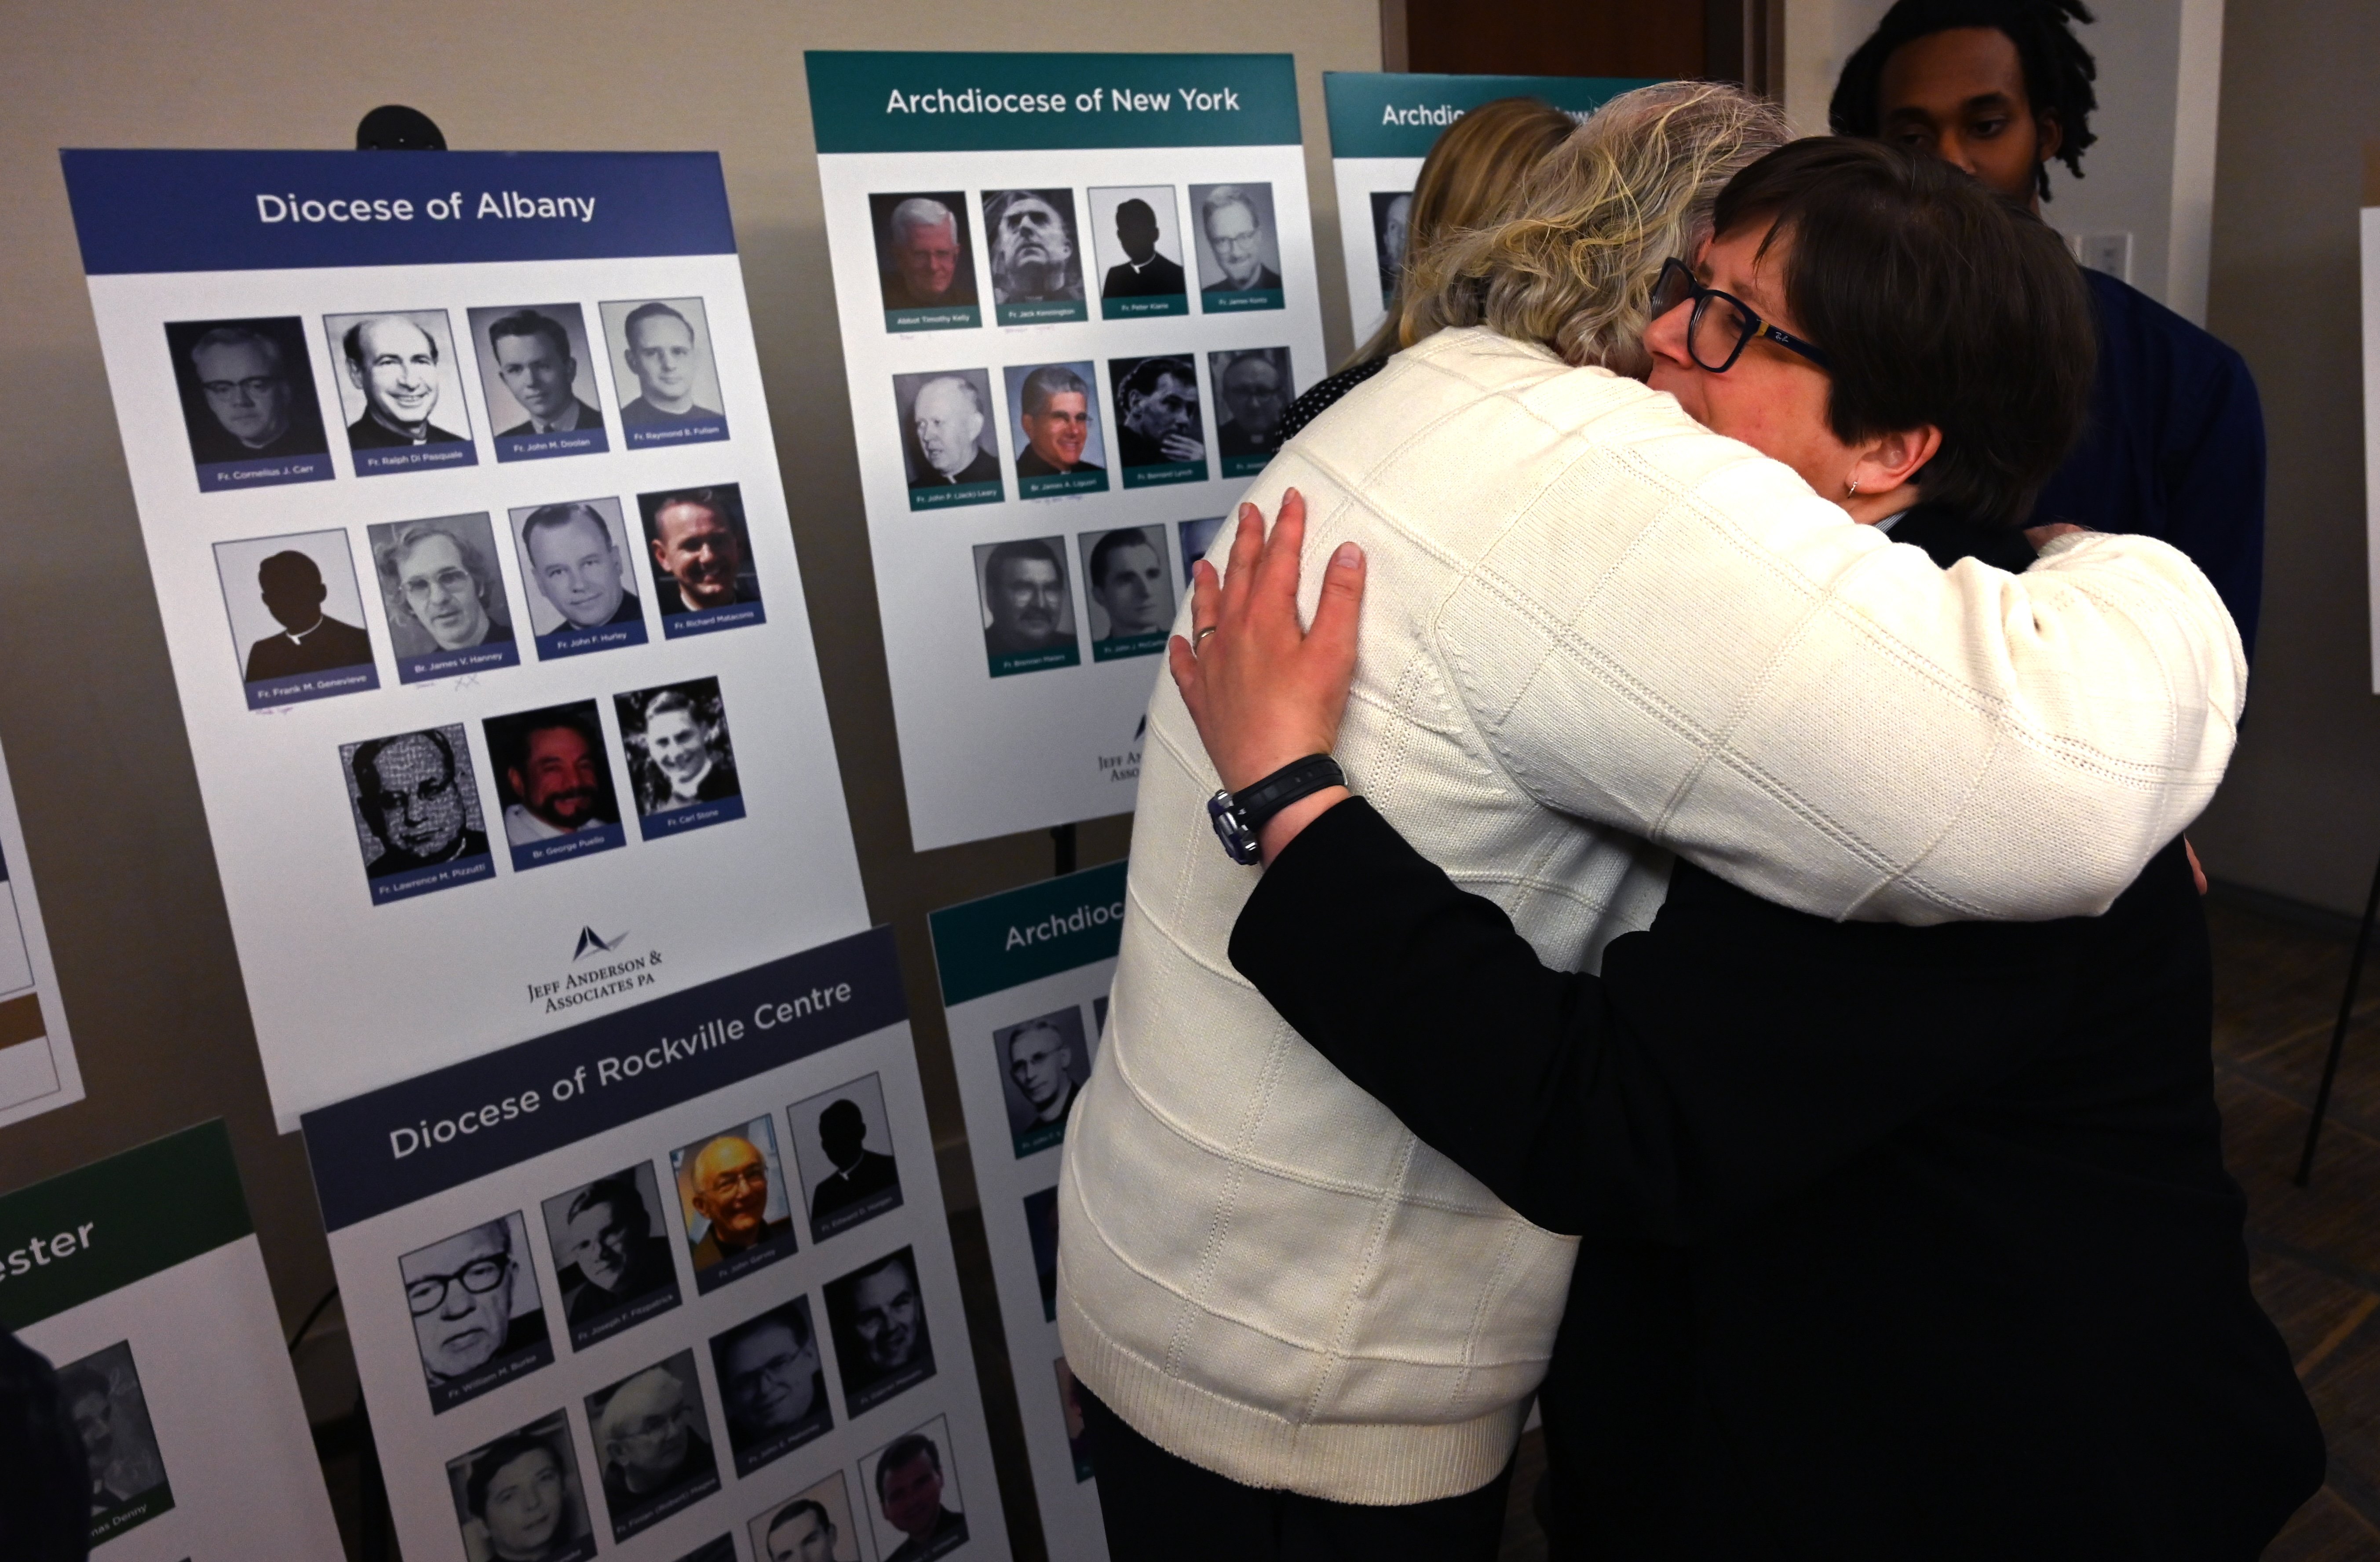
<point>589,940</point>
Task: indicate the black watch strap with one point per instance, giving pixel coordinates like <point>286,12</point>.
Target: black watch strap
<point>1299,778</point>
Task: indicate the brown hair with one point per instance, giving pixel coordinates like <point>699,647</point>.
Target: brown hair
<point>1474,168</point>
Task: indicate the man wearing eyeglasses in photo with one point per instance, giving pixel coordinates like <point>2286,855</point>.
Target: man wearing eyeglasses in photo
<point>256,411</point>
<point>773,1383</point>
<point>731,1192</point>
<point>461,1294</point>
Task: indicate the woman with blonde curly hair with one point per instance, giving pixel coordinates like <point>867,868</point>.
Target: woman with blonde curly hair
<point>1547,231</point>
<point>1470,173</point>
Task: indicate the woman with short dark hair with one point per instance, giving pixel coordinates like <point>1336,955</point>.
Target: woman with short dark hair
<point>1897,1241</point>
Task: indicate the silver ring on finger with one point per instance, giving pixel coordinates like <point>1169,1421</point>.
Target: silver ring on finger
<point>1198,640</point>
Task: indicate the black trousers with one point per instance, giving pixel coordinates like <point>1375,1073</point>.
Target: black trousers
<point>1159,1507</point>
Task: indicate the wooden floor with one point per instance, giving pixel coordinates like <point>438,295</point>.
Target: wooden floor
<point>2316,1253</point>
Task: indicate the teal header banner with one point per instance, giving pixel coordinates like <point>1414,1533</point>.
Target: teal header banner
<point>1378,115</point>
<point>1020,935</point>
<point>875,101</point>
<point>86,1233</point>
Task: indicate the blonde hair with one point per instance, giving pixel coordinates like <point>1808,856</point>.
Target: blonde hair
<point>1470,173</point>
<point>1570,263</point>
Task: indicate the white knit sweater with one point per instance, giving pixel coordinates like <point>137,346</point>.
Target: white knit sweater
<point>1590,624</point>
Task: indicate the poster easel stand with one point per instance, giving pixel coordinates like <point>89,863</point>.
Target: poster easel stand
<point>2338,1031</point>
<point>394,127</point>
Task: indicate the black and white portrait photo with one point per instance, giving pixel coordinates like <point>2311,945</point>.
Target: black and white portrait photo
<point>731,1192</point>
<point>1160,431</point>
<point>1055,427</point>
<point>881,1340</point>
<point>1197,537</point>
<point>1041,1231</point>
<point>612,1255</point>
<point>813,1525</point>
<point>948,444</point>
<point>1137,234</point>
<point>575,556</point>
<point>843,1146</point>
<point>476,1317</point>
<point>415,804</point>
<point>398,393</point>
<point>924,260</point>
<point>913,1483</point>
<point>1239,247</point>
<point>553,784</point>
<point>702,559</point>
<point>1037,260</point>
<point>774,1386</point>
<point>1028,610</point>
<point>101,1398</point>
<point>445,596</point>
<point>1129,586</point>
<point>681,757</point>
<point>1253,390</point>
<point>662,372</point>
<point>1391,223</point>
<point>297,617</point>
<point>1043,1063</point>
<point>537,368</point>
<point>522,1498</point>
<point>248,402</point>
<point>653,1445</point>
<point>1070,1411</point>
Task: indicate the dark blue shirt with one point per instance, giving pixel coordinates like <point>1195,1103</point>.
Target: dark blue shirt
<point>2175,448</point>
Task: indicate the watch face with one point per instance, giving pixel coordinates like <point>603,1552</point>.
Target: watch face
<point>1232,829</point>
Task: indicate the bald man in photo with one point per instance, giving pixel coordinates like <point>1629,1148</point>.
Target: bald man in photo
<point>731,1192</point>
<point>947,419</point>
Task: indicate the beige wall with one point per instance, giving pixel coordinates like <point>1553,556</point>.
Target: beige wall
<point>87,710</point>
<point>2299,815</point>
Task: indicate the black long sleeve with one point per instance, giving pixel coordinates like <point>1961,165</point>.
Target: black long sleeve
<point>1715,1067</point>
<point>1900,1241</point>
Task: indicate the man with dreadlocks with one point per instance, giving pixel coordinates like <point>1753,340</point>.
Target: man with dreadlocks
<point>2175,446</point>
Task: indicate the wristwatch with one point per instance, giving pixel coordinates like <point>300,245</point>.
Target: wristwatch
<point>1237,816</point>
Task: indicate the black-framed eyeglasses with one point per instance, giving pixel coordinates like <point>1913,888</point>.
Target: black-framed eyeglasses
<point>1721,324</point>
<point>480,1277</point>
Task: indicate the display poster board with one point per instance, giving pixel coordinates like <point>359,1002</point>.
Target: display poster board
<point>464,518</point>
<point>673,1283</point>
<point>37,1058</point>
<point>1024,978</point>
<point>140,1280</point>
<point>1383,125</point>
<point>1077,295</point>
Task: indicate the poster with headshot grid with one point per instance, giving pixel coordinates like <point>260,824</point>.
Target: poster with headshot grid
<point>464,522</point>
<point>140,1280</point>
<point>38,1068</point>
<point>1024,977</point>
<point>1076,294</point>
<point>1382,127</point>
<point>674,1284</point>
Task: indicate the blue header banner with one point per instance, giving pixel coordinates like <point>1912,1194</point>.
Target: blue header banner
<point>863,102</point>
<point>454,1125</point>
<point>1377,114</point>
<point>138,211</point>
<point>1020,935</point>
